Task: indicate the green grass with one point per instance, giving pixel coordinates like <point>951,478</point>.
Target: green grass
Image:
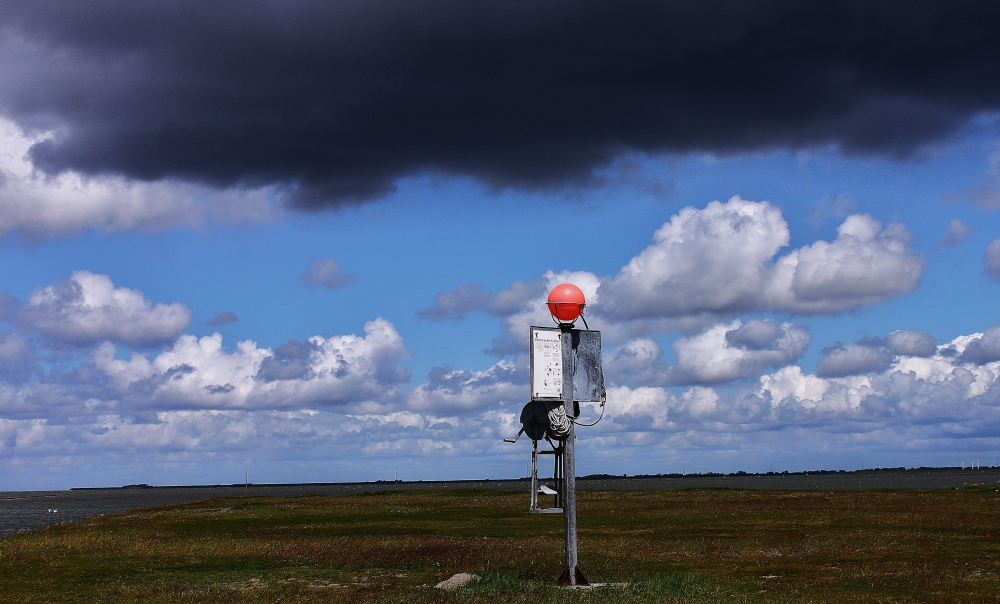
<point>685,546</point>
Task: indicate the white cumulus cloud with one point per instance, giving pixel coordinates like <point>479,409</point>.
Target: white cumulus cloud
<point>722,259</point>
<point>632,358</point>
<point>865,264</point>
<point>198,373</point>
<point>725,353</point>
<point>954,386</point>
<point>197,402</point>
<point>450,389</point>
<point>715,260</point>
<point>88,308</point>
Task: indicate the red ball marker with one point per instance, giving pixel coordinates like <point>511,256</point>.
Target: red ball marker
<point>566,302</point>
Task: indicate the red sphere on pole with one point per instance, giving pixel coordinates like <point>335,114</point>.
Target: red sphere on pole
<point>566,302</point>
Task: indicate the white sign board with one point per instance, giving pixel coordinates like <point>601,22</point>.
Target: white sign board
<point>546,363</point>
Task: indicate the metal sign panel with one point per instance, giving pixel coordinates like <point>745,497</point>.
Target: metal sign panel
<point>546,363</point>
<point>588,375</point>
<point>547,368</point>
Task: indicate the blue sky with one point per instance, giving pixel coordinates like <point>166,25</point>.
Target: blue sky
<point>797,291</point>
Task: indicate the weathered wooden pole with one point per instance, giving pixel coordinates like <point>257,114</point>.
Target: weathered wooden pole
<point>569,576</point>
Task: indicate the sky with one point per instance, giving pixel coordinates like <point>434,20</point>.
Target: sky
<point>304,241</point>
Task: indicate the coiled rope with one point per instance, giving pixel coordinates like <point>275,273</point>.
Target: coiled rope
<point>559,423</point>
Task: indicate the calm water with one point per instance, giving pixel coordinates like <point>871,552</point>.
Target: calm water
<point>27,510</point>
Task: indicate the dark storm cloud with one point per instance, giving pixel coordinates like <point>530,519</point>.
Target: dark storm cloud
<point>334,101</point>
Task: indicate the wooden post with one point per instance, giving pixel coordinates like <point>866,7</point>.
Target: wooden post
<point>572,574</point>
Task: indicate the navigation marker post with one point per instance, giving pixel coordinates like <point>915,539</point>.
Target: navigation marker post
<point>571,575</point>
<point>565,370</point>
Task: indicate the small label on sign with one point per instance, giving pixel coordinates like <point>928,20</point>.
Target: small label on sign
<point>546,364</point>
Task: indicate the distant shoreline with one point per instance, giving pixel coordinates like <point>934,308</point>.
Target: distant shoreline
<point>876,477</point>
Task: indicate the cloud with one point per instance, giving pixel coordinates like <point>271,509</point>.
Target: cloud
<point>912,404</point>
<point>198,404</point>
<point>522,95</point>
<point>911,390</point>
<point>290,361</point>
<point>756,335</point>
<point>18,358</point>
<point>852,359</point>
<point>37,206</point>
<point>455,390</point>
<point>721,260</point>
<point>716,259</point>
<point>873,354</point>
<point>640,356</point>
<point>326,272</point>
<point>725,353</point>
<point>205,446</point>
<point>501,347</point>
<point>987,192</point>
<point>992,260</point>
<point>9,307</point>
<point>909,342</point>
<point>956,234</point>
<point>983,348</point>
<point>711,264</point>
<point>454,305</point>
<point>223,318</point>
<point>344,371</point>
<point>863,265</point>
<point>640,409</point>
<point>88,308</point>
<point>837,206</point>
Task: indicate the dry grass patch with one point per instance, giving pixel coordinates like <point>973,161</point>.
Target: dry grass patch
<point>695,545</point>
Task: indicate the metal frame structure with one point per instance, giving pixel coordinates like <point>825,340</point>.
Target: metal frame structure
<point>536,484</point>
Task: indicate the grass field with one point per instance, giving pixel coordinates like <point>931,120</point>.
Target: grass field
<point>688,545</point>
